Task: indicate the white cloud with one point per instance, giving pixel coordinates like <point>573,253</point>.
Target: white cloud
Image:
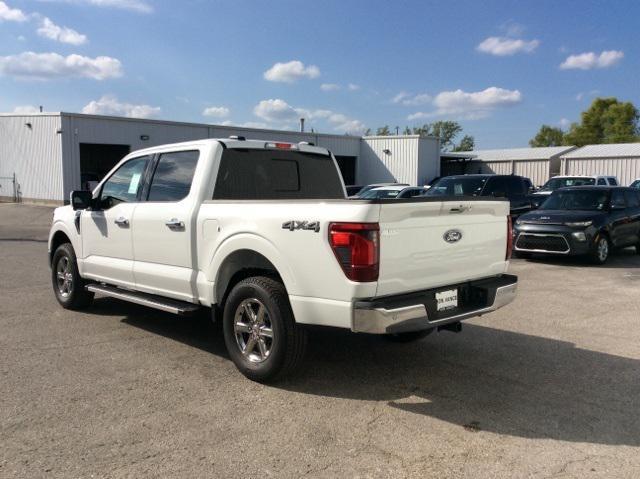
<point>329,87</point>
<point>564,123</point>
<point>275,110</point>
<point>44,66</point>
<point>353,87</point>
<point>470,105</point>
<point>11,14</point>
<point>109,105</point>
<point>216,111</point>
<point>139,6</point>
<point>503,46</point>
<point>279,112</point>
<point>26,109</point>
<point>50,30</point>
<point>409,99</point>
<point>291,71</point>
<point>590,60</point>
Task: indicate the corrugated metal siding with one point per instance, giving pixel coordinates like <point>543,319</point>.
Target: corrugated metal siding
<point>401,164</point>
<point>34,155</point>
<point>536,170</point>
<point>428,160</point>
<point>625,169</point>
<point>497,167</point>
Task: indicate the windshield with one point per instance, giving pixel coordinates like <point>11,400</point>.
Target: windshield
<point>635,184</point>
<point>555,183</point>
<point>373,194</point>
<point>457,186</point>
<point>592,200</point>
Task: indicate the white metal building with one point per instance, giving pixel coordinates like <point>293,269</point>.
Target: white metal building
<point>408,159</point>
<point>619,159</point>
<point>538,164</point>
<point>48,155</point>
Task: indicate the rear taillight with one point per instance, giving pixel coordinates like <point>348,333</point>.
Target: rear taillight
<point>509,238</point>
<point>357,249</point>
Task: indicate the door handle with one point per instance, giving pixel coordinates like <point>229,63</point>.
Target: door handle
<point>174,223</point>
<point>121,221</point>
<point>459,209</point>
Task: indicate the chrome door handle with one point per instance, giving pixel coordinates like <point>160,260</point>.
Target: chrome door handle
<point>174,223</point>
<point>121,221</point>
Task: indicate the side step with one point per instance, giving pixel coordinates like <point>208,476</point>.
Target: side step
<point>157,302</point>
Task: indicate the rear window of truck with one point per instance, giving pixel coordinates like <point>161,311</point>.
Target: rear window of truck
<point>276,175</point>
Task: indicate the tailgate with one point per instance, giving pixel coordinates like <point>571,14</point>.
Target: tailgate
<point>429,244</point>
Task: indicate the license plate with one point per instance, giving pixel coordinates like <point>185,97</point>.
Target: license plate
<point>447,299</point>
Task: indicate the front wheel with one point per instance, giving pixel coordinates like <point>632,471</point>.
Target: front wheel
<point>68,286</point>
<point>600,252</point>
<point>260,332</point>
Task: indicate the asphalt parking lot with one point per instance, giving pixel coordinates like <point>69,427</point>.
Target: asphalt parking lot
<point>549,386</point>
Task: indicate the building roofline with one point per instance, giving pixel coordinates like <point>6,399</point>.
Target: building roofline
<point>230,128</point>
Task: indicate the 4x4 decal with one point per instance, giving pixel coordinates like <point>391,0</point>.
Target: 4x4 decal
<point>301,225</point>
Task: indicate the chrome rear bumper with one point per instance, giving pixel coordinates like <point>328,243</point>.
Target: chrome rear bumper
<point>376,317</point>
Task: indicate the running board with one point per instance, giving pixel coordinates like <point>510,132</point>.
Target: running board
<point>157,302</point>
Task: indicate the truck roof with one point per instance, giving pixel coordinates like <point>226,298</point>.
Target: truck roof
<point>238,142</point>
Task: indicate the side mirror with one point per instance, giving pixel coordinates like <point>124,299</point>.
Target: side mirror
<point>81,199</point>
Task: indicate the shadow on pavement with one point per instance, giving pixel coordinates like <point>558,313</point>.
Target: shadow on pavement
<point>482,379</point>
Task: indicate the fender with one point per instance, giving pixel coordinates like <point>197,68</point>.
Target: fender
<point>259,244</point>
<point>59,225</point>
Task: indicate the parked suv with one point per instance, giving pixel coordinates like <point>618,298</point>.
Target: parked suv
<point>582,220</point>
<point>515,188</point>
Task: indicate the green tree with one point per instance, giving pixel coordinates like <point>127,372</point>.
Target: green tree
<point>606,121</point>
<point>447,131</point>
<point>547,136</point>
<point>467,143</point>
<point>383,131</point>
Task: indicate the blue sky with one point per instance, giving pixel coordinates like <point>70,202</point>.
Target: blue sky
<point>500,68</point>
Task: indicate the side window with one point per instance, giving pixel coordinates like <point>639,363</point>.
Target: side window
<point>613,181</point>
<point>515,186</point>
<point>633,199</point>
<point>123,186</point>
<point>617,199</point>
<point>602,182</point>
<point>498,185</point>
<point>173,176</point>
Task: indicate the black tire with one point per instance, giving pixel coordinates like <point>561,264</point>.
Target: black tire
<point>409,337</point>
<point>68,286</point>
<point>521,255</point>
<point>247,342</point>
<point>600,250</point>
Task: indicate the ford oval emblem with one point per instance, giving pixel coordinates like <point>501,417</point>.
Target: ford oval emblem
<point>452,236</point>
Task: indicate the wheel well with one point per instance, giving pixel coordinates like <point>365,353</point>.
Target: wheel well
<point>58,238</point>
<point>239,265</point>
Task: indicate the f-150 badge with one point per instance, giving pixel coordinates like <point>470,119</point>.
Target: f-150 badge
<point>301,225</point>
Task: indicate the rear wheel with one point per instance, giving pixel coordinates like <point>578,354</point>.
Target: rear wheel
<point>260,331</point>
<point>600,251</point>
<point>68,286</point>
<point>409,337</point>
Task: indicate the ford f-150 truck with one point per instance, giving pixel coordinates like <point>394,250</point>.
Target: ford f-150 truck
<point>263,234</point>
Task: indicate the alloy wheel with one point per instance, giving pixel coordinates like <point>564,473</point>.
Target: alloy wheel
<point>64,276</point>
<point>253,330</point>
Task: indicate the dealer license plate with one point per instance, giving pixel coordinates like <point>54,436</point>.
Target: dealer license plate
<point>447,299</point>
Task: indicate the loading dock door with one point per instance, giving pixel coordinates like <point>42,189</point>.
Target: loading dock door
<point>97,159</point>
<point>347,165</point>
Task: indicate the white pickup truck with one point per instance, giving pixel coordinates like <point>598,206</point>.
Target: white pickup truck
<point>263,234</point>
